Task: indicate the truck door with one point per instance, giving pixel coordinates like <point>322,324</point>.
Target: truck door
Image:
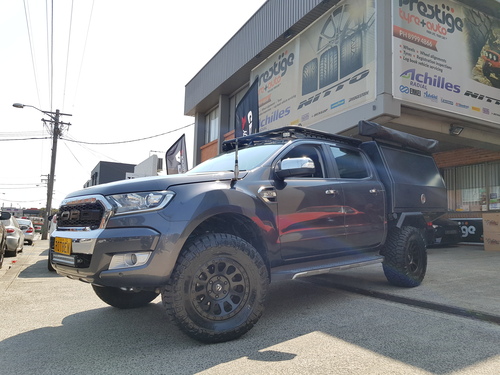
<point>364,199</point>
<point>310,209</point>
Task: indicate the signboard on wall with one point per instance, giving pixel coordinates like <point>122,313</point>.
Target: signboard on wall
<point>447,56</point>
<point>327,69</point>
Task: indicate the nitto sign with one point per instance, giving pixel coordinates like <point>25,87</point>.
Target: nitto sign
<point>335,88</point>
<point>486,98</point>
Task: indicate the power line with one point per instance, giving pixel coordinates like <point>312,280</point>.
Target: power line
<point>51,89</point>
<point>24,139</point>
<point>96,143</point>
<point>129,141</point>
<point>67,52</point>
<point>84,49</point>
<point>28,23</point>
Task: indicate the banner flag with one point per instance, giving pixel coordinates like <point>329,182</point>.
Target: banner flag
<point>176,157</point>
<point>247,112</point>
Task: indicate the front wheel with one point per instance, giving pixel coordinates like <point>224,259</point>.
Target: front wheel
<point>124,299</point>
<point>405,255</point>
<point>217,290</point>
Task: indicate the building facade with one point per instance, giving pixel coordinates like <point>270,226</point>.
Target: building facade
<point>107,171</point>
<point>429,68</point>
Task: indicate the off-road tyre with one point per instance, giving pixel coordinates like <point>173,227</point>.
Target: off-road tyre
<point>124,299</point>
<point>405,255</point>
<point>217,290</point>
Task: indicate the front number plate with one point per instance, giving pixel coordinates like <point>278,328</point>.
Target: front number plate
<point>62,245</point>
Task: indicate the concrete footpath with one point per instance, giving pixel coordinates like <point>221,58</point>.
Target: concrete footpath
<point>462,280</point>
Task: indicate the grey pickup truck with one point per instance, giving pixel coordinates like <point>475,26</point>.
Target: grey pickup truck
<point>277,205</point>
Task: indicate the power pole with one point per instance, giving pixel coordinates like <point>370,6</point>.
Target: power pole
<point>56,133</point>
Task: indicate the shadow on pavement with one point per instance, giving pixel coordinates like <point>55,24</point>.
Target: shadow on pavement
<point>113,341</point>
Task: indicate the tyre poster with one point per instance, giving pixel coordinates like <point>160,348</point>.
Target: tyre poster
<point>446,55</point>
<point>327,69</point>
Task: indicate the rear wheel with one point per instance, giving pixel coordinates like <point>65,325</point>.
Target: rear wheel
<point>217,290</point>
<point>405,255</point>
<point>10,253</point>
<point>122,298</point>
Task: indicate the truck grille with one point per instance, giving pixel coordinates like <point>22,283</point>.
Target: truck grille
<point>81,215</point>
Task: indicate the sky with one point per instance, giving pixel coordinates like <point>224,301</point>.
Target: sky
<point>119,67</point>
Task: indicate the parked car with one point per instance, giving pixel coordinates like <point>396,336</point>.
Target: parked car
<point>3,236</point>
<point>15,236</point>
<point>28,229</point>
<point>446,232</point>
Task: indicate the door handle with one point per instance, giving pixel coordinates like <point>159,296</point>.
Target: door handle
<point>332,192</point>
<point>375,191</point>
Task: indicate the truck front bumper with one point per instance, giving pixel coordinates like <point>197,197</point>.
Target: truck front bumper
<point>90,254</point>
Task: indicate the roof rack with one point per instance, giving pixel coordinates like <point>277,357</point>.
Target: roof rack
<point>286,133</point>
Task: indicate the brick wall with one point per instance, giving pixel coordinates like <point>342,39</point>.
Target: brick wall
<point>466,156</point>
<point>209,150</point>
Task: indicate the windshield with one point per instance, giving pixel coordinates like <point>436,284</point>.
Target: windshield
<point>248,158</point>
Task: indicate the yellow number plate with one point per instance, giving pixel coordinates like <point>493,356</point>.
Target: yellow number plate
<point>62,245</point>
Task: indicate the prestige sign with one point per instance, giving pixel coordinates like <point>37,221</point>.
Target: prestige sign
<point>440,51</point>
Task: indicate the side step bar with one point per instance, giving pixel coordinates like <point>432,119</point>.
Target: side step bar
<point>294,271</point>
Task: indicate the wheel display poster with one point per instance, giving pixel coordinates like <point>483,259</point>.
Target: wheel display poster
<point>446,55</point>
<point>327,69</point>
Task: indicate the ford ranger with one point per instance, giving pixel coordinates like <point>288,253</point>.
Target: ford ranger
<point>278,205</point>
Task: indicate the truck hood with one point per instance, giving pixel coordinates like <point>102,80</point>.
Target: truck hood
<point>156,183</point>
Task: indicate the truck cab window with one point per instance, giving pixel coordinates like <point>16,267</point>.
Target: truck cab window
<point>350,163</point>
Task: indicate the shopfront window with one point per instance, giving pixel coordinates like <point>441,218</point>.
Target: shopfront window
<point>212,126</point>
<point>473,187</point>
<point>494,190</point>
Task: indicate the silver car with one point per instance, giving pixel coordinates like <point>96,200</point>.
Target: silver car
<point>29,230</point>
<point>15,236</point>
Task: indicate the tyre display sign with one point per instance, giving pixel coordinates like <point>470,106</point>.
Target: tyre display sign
<point>444,56</point>
<point>327,69</point>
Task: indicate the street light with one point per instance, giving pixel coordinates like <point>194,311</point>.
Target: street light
<point>54,116</point>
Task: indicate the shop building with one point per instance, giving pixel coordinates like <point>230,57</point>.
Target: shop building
<point>429,68</point>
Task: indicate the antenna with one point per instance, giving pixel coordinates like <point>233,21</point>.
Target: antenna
<point>236,167</point>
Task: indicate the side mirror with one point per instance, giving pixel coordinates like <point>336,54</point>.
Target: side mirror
<point>295,167</point>
<point>5,216</point>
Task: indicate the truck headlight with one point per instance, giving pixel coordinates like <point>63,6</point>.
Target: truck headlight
<point>143,201</point>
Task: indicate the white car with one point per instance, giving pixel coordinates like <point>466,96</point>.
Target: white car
<point>29,230</point>
<point>15,236</point>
